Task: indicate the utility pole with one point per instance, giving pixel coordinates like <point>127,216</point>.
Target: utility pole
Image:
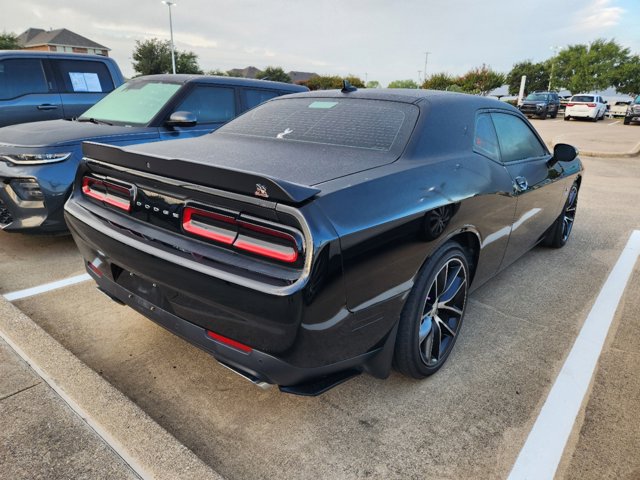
<point>419,77</point>
<point>173,50</point>
<point>553,63</point>
<point>426,58</point>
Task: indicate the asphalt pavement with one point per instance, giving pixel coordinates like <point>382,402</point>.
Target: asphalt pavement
<point>179,414</point>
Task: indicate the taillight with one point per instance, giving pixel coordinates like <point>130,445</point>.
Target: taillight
<point>256,236</point>
<point>570,104</point>
<point>108,192</point>
<point>591,105</point>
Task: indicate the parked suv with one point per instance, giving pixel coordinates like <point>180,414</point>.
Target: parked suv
<point>38,161</point>
<point>633,112</point>
<point>541,104</point>
<point>585,105</point>
<point>36,86</point>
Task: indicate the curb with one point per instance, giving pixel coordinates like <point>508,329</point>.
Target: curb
<point>635,152</point>
<point>145,446</point>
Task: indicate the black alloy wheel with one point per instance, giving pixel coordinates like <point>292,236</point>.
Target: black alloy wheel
<point>436,221</point>
<point>432,317</point>
<point>560,231</point>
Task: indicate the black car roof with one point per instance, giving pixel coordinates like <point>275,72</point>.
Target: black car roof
<point>220,80</point>
<point>406,95</point>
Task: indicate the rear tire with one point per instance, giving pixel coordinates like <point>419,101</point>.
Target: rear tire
<point>627,121</point>
<point>432,315</point>
<point>558,234</point>
<point>567,118</point>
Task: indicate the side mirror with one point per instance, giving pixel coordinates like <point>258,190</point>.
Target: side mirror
<point>182,119</point>
<point>563,153</point>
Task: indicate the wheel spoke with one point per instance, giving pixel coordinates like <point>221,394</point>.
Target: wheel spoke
<point>436,343</point>
<point>444,306</point>
<point>457,290</point>
<point>444,325</point>
<point>425,328</point>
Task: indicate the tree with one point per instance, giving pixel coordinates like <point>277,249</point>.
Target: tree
<point>330,82</point>
<point>218,72</point>
<point>373,84</point>
<point>275,74</point>
<point>626,78</point>
<point>9,41</point>
<point>537,76</point>
<point>439,81</point>
<point>481,80</point>
<point>154,56</point>
<point>403,84</point>
<point>583,68</point>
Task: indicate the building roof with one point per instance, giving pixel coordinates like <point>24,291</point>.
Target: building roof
<point>34,37</point>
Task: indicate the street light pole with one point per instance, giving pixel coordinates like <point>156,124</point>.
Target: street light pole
<point>426,58</point>
<point>553,64</point>
<point>173,50</point>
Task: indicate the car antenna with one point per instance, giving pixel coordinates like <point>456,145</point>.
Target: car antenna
<point>347,87</point>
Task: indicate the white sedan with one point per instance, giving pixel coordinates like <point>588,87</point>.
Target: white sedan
<point>586,106</point>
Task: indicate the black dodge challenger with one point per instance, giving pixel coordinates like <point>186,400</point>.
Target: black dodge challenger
<point>324,234</point>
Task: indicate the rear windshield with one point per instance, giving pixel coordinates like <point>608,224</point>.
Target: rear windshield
<point>355,123</point>
<point>537,96</point>
<point>637,100</point>
<point>582,98</point>
<point>134,103</point>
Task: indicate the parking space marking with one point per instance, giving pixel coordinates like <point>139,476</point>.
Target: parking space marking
<point>543,449</point>
<point>614,123</point>
<point>30,292</point>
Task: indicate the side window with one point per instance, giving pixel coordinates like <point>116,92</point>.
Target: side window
<point>253,98</point>
<point>20,77</point>
<point>485,141</point>
<point>82,76</point>
<point>516,140</point>
<point>210,104</point>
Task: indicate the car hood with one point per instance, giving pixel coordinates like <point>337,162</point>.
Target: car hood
<point>296,162</point>
<point>534,102</point>
<point>58,133</point>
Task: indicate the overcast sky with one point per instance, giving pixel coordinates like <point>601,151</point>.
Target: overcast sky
<point>381,40</point>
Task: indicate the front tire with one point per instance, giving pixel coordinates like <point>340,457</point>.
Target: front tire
<point>432,316</point>
<point>627,120</point>
<point>559,233</point>
<point>567,118</point>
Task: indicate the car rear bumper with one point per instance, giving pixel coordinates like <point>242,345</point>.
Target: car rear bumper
<point>276,345</point>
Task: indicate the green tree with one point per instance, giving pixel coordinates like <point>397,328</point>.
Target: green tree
<point>153,56</point>
<point>626,78</point>
<point>583,68</point>
<point>439,81</point>
<point>403,84</point>
<point>537,76</point>
<point>373,84</point>
<point>330,82</point>
<point>354,81</point>
<point>9,41</point>
<point>481,80</point>
<point>275,74</point>
<point>218,72</point>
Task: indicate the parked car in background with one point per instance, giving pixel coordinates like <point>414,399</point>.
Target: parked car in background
<point>324,234</point>
<point>618,109</point>
<point>541,104</point>
<point>633,112</point>
<point>592,107</point>
<point>38,160</point>
<point>37,86</point>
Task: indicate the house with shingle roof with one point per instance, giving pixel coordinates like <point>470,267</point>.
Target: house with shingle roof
<point>60,40</point>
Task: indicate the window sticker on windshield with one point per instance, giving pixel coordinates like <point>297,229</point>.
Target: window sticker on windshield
<point>323,104</point>
<point>85,82</point>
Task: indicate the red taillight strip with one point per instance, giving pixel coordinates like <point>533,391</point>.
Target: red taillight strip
<point>228,341</point>
<point>197,228</point>
<point>87,183</point>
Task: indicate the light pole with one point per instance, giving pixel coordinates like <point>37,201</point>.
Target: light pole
<point>554,49</point>
<point>173,50</point>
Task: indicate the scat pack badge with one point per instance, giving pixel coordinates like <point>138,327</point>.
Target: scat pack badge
<point>261,191</point>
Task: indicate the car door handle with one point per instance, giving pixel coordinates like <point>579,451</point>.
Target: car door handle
<point>521,184</point>
<point>47,106</point>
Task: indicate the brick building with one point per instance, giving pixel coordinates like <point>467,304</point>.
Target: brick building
<point>60,40</point>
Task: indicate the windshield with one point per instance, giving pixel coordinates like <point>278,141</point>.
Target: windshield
<point>365,124</point>
<point>582,98</point>
<point>134,103</point>
<point>637,100</point>
<point>537,96</point>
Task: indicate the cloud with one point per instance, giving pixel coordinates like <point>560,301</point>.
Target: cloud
<point>600,14</point>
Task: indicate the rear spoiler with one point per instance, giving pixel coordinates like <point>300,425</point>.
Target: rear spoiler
<point>247,183</point>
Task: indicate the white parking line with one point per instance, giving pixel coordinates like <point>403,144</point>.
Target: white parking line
<point>29,292</point>
<point>541,453</point>
<point>613,123</point>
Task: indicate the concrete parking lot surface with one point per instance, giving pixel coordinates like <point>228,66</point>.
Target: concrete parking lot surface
<point>468,421</point>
